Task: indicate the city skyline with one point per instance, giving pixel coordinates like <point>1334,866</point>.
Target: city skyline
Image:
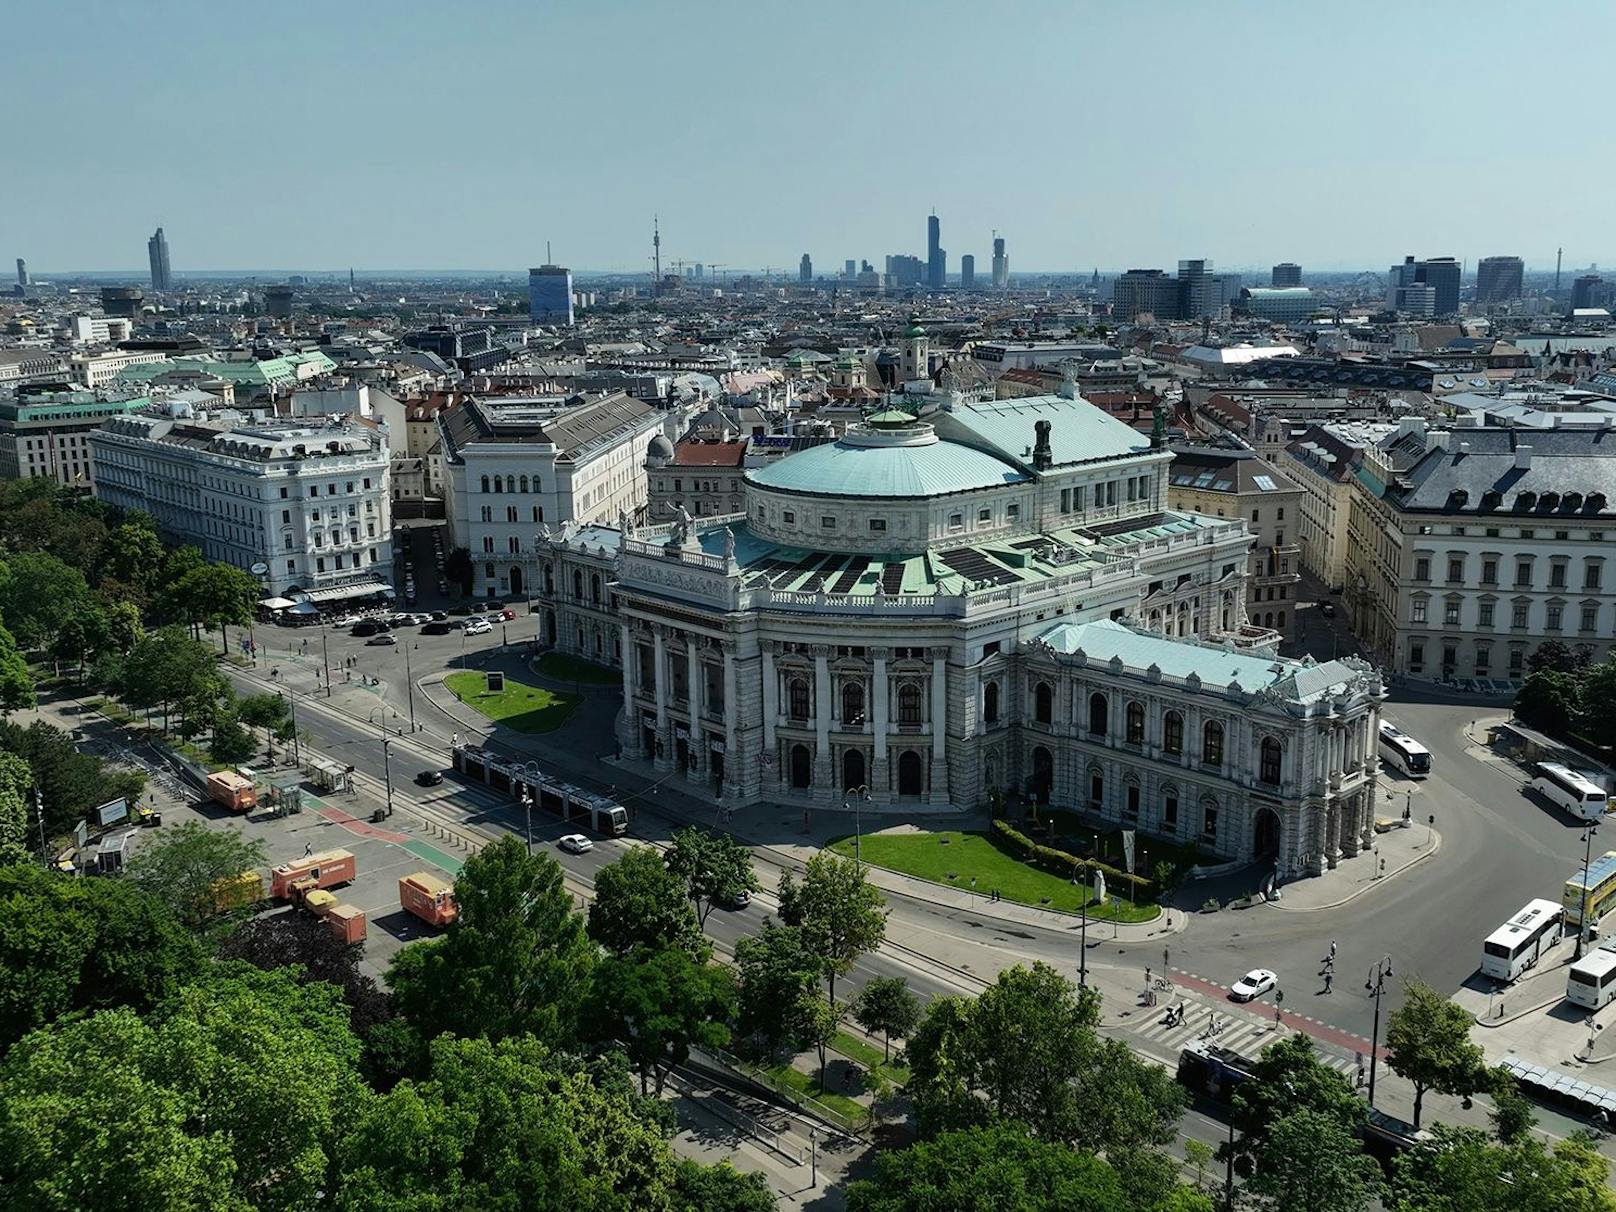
<point>1140,179</point>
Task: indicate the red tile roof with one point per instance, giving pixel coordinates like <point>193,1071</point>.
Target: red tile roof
<point>693,452</point>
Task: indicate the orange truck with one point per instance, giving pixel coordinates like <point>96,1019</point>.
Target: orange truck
<point>347,922</point>
<point>232,791</point>
<point>429,898</point>
<point>326,869</point>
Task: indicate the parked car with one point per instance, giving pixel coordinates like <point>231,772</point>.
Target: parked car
<point>478,627</point>
<point>507,614</point>
<point>366,628</point>
<point>439,628</point>
<point>382,639</point>
<point>575,843</point>
<point>429,778</point>
<point>439,615</point>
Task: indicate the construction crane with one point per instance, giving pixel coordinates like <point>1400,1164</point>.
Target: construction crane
<point>715,266</point>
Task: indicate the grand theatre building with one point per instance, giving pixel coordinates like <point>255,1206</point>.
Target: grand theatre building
<point>989,599</point>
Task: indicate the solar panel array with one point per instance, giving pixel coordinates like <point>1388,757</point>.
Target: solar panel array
<point>974,566</point>
<point>851,574</point>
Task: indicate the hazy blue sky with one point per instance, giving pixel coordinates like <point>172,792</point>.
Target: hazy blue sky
<point>463,135</point>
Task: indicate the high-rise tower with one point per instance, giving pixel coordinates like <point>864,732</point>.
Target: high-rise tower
<point>1001,263</point>
<point>549,294</point>
<point>1498,279</point>
<point>22,272</point>
<point>936,258</point>
<point>805,270</point>
<point>656,257</point>
<point>157,254</point>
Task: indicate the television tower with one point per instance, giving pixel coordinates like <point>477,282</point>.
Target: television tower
<point>656,257</point>
<point>1558,253</point>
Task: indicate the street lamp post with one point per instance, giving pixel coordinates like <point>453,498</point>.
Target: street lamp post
<point>527,812</point>
<point>1083,936</point>
<point>297,752</point>
<point>325,654</point>
<point>387,770</point>
<point>1582,913</point>
<point>409,685</point>
<point>1376,986</point>
<point>856,797</point>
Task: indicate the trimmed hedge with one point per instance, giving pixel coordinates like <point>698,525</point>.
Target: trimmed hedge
<point>1069,865</point>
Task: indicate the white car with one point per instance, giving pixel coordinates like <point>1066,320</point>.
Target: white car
<point>575,843</point>
<point>1253,984</point>
<point>479,627</point>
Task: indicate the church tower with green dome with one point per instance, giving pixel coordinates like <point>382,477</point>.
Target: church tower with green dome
<point>916,352</point>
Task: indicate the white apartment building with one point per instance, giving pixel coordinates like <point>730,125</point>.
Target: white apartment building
<point>48,434</point>
<point>1322,463</point>
<point>99,330</point>
<point>97,369</point>
<point>1481,543</point>
<point>308,500</point>
<point>514,467</point>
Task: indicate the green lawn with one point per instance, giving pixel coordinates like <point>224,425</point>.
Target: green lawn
<point>870,1057</point>
<point>520,706</point>
<point>953,858</point>
<point>565,668</point>
<point>808,1083</point>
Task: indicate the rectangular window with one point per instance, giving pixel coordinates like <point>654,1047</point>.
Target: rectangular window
<point>1419,610</point>
<point>1170,810</point>
<point>1079,497</point>
<point>1517,615</point>
<point>1450,614</point>
<point>319,565</point>
<point>1416,658</point>
<point>1590,617</point>
<point>1455,570</point>
<point>1066,500</point>
<point>984,515</point>
<point>1209,824</point>
<point>1484,614</point>
<point>1517,657</point>
<point>956,521</point>
<point>1557,576</point>
<point>827,522</point>
<point>1254,515</point>
<point>283,492</point>
<point>1483,661</point>
<point>1551,620</point>
<point>1590,576</point>
<point>878,523</point>
<point>286,517</point>
<point>1012,512</point>
<point>1523,572</point>
<point>1133,801</point>
<point>1422,569</point>
<point>1489,572</point>
<point>1450,658</point>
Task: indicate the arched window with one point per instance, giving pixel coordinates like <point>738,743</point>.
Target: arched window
<point>797,698</point>
<point>485,483</point>
<point>852,702</point>
<point>1096,789</point>
<point>1173,732</point>
<point>577,584</point>
<point>990,702</point>
<point>549,579</point>
<point>1212,743</point>
<point>1136,724</point>
<point>909,703</point>
<point>1099,713</point>
<point>1043,703</point>
<point>524,483</point>
<point>515,544</point>
<point>538,486</point>
<point>538,513</point>
<point>499,483</point>
<point>1268,764</point>
<point>594,588</point>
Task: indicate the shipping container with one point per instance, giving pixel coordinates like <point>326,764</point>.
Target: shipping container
<point>232,791</point>
<point>237,891</point>
<point>348,923</point>
<point>429,898</point>
<point>326,869</point>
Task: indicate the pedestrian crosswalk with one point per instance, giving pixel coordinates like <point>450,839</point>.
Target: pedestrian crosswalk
<point>1239,1031</point>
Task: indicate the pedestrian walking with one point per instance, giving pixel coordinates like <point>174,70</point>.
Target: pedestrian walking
<point>1329,979</point>
<point>1332,948</point>
<point>308,849</point>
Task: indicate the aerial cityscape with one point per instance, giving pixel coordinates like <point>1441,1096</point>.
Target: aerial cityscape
<point>685,610</point>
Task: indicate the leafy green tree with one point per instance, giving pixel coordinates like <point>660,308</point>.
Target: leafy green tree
<point>1512,1116</point>
<point>65,1090</point>
<point>1288,1077</point>
<point>39,594</point>
<point>775,970</point>
<point>231,743</point>
<point>1461,1170</point>
<point>168,602</point>
<point>720,1188</point>
<point>516,960</point>
<point>15,781</point>
<point>125,627</point>
<point>1556,656</point>
<point>1027,1050</point>
<point>887,1006</point>
<point>168,669</point>
<point>640,903</point>
<point>1599,703</point>
<point>181,866</point>
<point>994,1168</point>
<point>269,712</point>
<point>458,568</point>
<point>1549,700</point>
<point>840,913</point>
<point>132,555</point>
<point>68,944</point>
<point>16,682</point>
<point>1428,1043</point>
<point>82,631</point>
<point>1309,1162</point>
<point>70,782</point>
<point>306,946</point>
<point>502,1125</point>
<point>218,595</point>
<point>715,868</point>
<point>659,1003</point>
<point>816,1023</point>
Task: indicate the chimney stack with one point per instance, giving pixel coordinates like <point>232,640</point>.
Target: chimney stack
<point>1523,457</point>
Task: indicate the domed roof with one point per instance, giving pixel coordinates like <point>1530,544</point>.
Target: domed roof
<point>880,462</point>
<point>914,329</point>
<point>659,448</point>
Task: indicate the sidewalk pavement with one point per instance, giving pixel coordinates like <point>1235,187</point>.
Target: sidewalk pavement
<point>1394,852</point>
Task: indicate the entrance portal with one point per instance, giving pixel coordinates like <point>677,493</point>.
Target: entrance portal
<point>852,769</point>
<point>911,773</point>
<point>802,767</point>
<point>1043,774</point>
<point>1265,834</point>
<point>516,579</point>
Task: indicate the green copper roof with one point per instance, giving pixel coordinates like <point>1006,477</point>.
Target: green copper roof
<point>1078,431</point>
<point>890,416</point>
<point>839,469</point>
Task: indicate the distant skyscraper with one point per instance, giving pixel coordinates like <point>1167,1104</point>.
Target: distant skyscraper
<point>805,269</point>
<point>1442,275</point>
<point>549,294</point>
<point>701,271</point>
<point>967,272</point>
<point>905,270</point>
<point>1590,290</point>
<point>936,258</point>
<point>1498,279</point>
<point>278,301</point>
<point>1001,264</point>
<point>157,254</point>
<point>22,272</point>
<point>850,268</point>
<point>1286,273</point>
<point>1145,292</point>
<point>1203,293</point>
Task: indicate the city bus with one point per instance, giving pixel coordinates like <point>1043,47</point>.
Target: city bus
<point>1591,983</point>
<point>1515,946</point>
<point>1402,752</point>
<point>1576,793</point>
<point>1600,876</point>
